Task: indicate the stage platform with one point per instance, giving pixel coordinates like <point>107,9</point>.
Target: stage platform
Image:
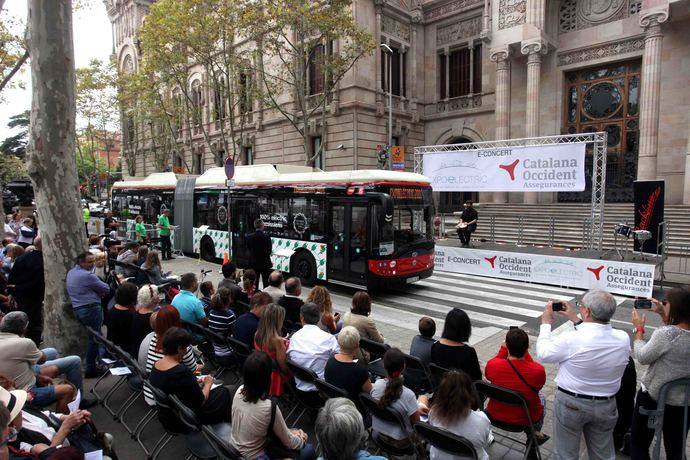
<point>585,269</point>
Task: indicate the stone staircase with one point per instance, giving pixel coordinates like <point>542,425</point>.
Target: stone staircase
<point>568,224</point>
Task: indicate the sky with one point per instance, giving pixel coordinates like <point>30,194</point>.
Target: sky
<point>92,40</point>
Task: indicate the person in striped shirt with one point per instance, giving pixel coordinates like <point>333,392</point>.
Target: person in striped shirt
<point>167,317</point>
<point>221,319</point>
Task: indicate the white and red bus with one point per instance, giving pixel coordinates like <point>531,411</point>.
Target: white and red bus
<point>364,227</point>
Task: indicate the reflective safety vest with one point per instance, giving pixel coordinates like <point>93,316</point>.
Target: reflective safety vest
<point>87,215</point>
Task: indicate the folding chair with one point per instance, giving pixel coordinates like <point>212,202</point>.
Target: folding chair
<point>207,348</point>
<point>197,444</point>
<point>656,416</point>
<point>376,351</point>
<point>387,414</point>
<point>136,384</point>
<point>118,353</point>
<point>241,349</point>
<point>417,375</point>
<point>437,373</point>
<point>511,398</point>
<point>224,449</point>
<point>99,339</point>
<point>444,440</point>
<point>330,391</point>
<point>308,376</point>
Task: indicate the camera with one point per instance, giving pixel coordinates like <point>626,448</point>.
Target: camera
<point>557,306</point>
<point>642,304</point>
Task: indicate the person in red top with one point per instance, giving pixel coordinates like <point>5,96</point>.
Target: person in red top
<point>513,368</point>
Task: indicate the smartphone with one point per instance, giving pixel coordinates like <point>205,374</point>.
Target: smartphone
<point>557,306</point>
<point>643,304</point>
<point>513,327</point>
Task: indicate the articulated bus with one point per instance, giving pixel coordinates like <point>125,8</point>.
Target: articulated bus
<point>366,228</point>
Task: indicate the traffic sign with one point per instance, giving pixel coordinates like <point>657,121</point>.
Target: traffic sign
<point>229,167</point>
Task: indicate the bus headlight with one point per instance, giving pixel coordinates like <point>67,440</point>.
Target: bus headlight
<point>393,264</point>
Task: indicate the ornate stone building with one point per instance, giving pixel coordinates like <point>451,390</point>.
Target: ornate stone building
<point>473,70</point>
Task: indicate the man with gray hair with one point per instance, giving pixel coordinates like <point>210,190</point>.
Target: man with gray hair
<point>341,433</point>
<point>23,362</point>
<point>311,347</point>
<point>291,301</point>
<point>591,361</point>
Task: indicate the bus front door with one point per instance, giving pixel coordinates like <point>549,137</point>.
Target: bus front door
<point>243,215</point>
<point>348,253</point>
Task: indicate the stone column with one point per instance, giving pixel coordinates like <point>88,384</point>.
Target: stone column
<point>502,111</point>
<point>378,5</point>
<point>534,53</point>
<point>649,94</point>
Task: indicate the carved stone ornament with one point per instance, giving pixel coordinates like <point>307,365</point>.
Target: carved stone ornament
<point>511,13</point>
<point>395,28</point>
<point>581,14</point>
<point>534,47</point>
<point>451,7</point>
<point>459,103</point>
<point>458,31</point>
<point>606,50</point>
<point>599,11</point>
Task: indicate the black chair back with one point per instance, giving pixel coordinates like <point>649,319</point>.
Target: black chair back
<point>224,449</point>
<point>385,414</point>
<point>417,375</point>
<point>330,391</point>
<point>167,415</point>
<point>500,394</point>
<point>445,440</point>
<point>185,414</point>
<point>302,373</point>
<point>437,373</point>
<point>375,349</point>
<point>241,349</point>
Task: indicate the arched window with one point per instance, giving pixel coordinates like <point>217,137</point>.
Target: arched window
<point>128,65</point>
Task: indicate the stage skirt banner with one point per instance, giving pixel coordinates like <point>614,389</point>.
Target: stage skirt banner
<point>625,278</point>
<point>541,168</point>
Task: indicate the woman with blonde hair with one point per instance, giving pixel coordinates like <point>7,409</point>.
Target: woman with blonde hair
<point>321,297</point>
<point>269,340</point>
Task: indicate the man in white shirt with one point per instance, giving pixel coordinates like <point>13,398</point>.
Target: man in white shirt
<point>591,361</point>
<point>275,286</point>
<point>311,347</point>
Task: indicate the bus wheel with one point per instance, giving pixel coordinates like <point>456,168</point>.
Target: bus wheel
<point>304,267</point>
<point>208,250</point>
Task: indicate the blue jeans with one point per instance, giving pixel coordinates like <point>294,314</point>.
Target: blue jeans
<point>92,316</point>
<point>70,366</point>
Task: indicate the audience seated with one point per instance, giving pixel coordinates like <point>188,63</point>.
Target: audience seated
<point>248,286</point>
<point>19,355</point>
<point>153,268</point>
<point>342,369</point>
<point>667,353</point>
<point>229,280</point>
<point>311,347</point>
<point>275,286</point>
<point>148,299</point>
<point>452,351</point>
<point>142,256</point>
<point>41,433</point>
<point>207,290</point>
<point>422,342</point>
<point>166,318</point>
<point>119,319</point>
<point>269,340</point>
<point>450,408</point>
<point>221,320</point>
<point>4,431</point>
<point>392,393</point>
<point>291,301</point>
<point>247,324</point>
<point>358,317</point>
<point>514,369</point>
<point>591,361</point>
<point>187,303</point>
<point>321,297</point>
<point>253,434</point>
<point>212,406</point>
<point>341,433</point>
<point>128,255</point>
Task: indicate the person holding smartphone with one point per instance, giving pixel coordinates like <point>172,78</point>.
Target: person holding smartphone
<point>666,352</point>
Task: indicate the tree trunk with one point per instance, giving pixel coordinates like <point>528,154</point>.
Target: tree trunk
<point>52,164</point>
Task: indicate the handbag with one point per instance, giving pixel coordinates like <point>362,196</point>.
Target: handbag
<point>274,446</point>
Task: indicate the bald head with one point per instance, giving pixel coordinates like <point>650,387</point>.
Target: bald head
<point>38,243</point>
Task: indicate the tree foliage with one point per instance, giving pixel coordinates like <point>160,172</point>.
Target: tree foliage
<point>16,145</point>
<point>13,51</point>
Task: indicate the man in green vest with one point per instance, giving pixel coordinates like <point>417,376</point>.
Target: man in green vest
<point>87,217</point>
<point>164,232</point>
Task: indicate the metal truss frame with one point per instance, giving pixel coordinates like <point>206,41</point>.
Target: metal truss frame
<point>597,141</point>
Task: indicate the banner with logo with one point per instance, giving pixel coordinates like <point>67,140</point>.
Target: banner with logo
<point>649,212</point>
<point>542,168</point>
<point>626,278</point>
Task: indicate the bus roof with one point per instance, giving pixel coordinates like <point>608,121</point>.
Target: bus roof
<point>268,175</point>
<point>155,181</point>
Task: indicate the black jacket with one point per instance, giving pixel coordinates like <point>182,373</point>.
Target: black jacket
<point>27,276</point>
<point>260,248</point>
<point>292,307</point>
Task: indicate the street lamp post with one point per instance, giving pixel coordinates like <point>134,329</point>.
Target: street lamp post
<point>389,51</point>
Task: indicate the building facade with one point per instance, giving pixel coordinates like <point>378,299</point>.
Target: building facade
<point>475,70</point>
